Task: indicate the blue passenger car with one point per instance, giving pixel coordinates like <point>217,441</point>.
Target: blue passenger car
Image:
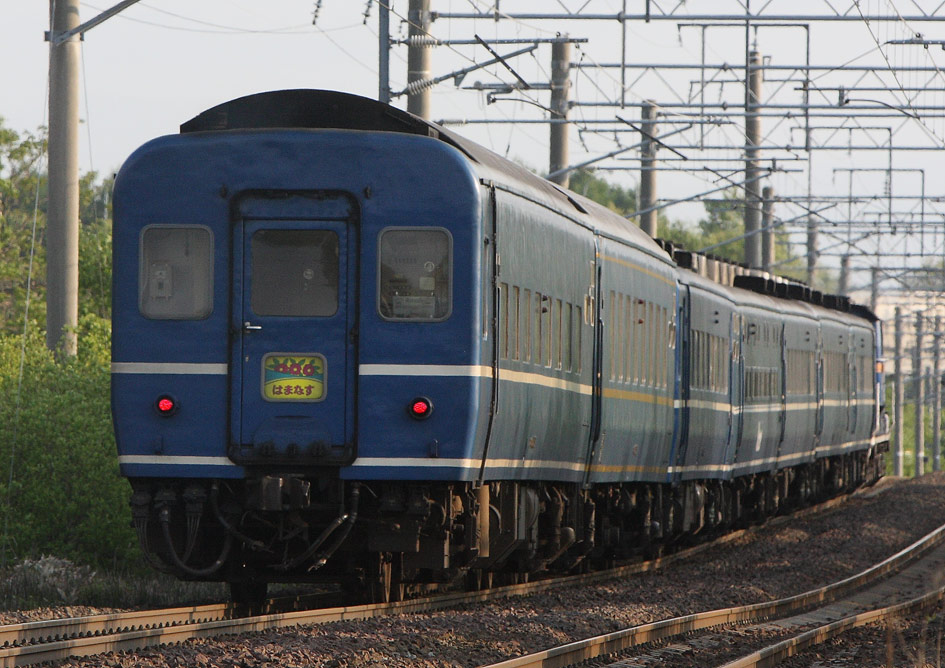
<point>351,345</point>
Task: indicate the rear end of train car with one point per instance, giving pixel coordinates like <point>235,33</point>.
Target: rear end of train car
<point>297,311</point>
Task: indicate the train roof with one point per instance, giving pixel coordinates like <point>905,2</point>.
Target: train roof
<point>728,279</point>
<point>323,109</point>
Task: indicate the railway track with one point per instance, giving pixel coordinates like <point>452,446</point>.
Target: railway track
<point>35,642</point>
<point>765,634</point>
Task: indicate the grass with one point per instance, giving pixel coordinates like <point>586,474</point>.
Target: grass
<point>53,582</point>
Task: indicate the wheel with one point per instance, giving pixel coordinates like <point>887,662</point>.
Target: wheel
<point>249,596</point>
<point>476,579</point>
<point>385,583</point>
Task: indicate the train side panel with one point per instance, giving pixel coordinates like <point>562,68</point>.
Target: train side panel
<point>545,343</point>
<point>712,393</point>
<point>800,387</point>
<point>763,408</point>
<point>638,349</point>
<point>848,395</point>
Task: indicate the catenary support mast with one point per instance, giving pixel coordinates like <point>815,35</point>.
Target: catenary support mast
<point>62,223</point>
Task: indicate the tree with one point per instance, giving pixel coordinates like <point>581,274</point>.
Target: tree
<point>23,201</point>
<point>724,221</point>
<point>614,197</point>
<point>56,441</point>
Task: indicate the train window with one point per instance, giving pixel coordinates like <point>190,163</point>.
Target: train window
<point>527,326</point>
<point>558,332</point>
<point>639,348</point>
<point>175,280</point>
<point>626,352</point>
<point>621,333</point>
<point>567,339</point>
<point>713,362</point>
<point>294,272</point>
<point>504,320</point>
<point>514,296</point>
<point>536,330</point>
<point>576,358</point>
<point>665,345</point>
<point>546,352</point>
<point>611,319</point>
<point>415,275</point>
<point>652,344</point>
<point>724,355</point>
<point>659,344</point>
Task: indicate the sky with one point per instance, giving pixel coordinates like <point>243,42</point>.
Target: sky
<point>161,62</point>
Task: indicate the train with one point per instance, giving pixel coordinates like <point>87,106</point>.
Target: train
<point>352,346</point>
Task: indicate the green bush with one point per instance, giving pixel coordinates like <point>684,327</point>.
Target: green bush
<point>57,445</point>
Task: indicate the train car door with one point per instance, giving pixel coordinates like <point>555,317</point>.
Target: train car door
<point>681,382</point>
<point>294,330</point>
<point>819,421</point>
<point>594,310</point>
<point>782,389</point>
<point>852,380</point>
<point>736,389</point>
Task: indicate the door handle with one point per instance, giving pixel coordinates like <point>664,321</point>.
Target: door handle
<point>248,327</point>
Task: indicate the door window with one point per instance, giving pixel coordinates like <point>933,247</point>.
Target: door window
<point>294,273</point>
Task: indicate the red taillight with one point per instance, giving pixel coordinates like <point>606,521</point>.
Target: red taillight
<point>166,405</point>
<point>420,408</point>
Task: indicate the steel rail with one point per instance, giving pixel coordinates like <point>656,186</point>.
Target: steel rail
<point>51,640</point>
<point>611,643</point>
<point>36,642</point>
<point>778,652</point>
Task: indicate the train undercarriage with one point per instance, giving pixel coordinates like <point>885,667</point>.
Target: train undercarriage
<point>385,540</point>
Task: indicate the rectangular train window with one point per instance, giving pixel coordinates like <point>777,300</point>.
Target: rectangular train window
<point>567,341</point>
<point>514,320</point>
<point>415,276</point>
<point>294,273</point>
<point>652,344</point>
<point>611,319</point>
<point>559,332</point>
<point>665,347</point>
<point>579,317</point>
<point>628,338</point>
<point>546,352</point>
<point>526,326</point>
<point>175,279</point>
<point>504,319</point>
<point>536,330</point>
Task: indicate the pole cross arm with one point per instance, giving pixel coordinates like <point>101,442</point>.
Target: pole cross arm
<point>417,86</point>
<point>59,37</point>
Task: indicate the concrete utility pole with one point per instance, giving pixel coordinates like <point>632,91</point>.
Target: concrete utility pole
<point>919,398</point>
<point>900,396</point>
<point>752,154</point>
<point>811,224</point>
<point>560,102</point>
<point>419,57</point>
<point>874,288</point>
<point>383,52</point>
<point>648,221</point>
<point>767,229</point>
<point>937,394</point>
<point>843,288</point>
<point>62,221</point>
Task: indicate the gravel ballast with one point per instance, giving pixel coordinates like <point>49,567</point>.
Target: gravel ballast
<point>772,561</point>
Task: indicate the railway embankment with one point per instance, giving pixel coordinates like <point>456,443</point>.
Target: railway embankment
<point>783,557</point>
